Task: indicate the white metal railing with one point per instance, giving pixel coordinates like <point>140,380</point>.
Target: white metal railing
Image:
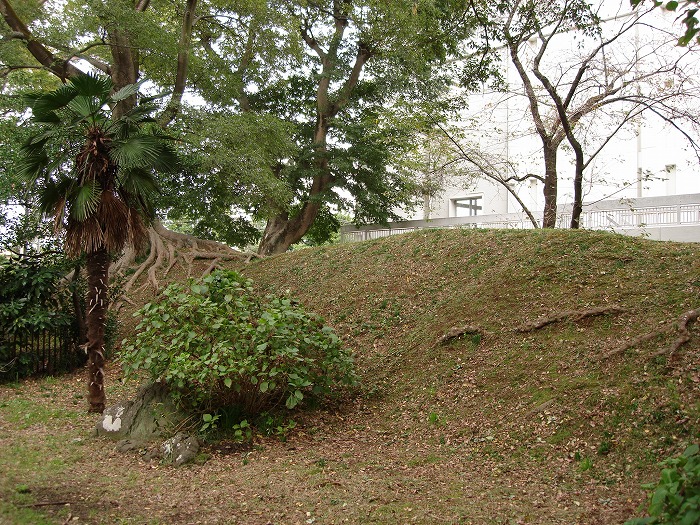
<point>618,219</point>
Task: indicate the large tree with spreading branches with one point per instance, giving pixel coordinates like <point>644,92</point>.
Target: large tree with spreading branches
<point>329,94</point>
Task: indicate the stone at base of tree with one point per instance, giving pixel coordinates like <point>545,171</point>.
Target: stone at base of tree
<point>150,415</point>
<point>128,445</point>
<point>180,449</point>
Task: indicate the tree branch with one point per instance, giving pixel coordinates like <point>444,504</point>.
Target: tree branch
<point>313,44</point>
<point>487,173</point>
<point>363,55</point>
<point>61,68</point>
<point>183,56</point>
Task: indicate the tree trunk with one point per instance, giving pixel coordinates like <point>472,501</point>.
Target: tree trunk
<point>97,303</point>
<point>281,231</point>
<point>550,187</point>
<point>78,308</point>
<point>578,185</point>
<point>125,68</point>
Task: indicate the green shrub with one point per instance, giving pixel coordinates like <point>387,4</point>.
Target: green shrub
<point>30,296</point>
<point>216,345</point>
<point>36,315</point>
<point>676,497</point>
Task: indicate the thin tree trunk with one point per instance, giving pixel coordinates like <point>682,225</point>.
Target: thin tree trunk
<point>578,195</point>
<point>183,58</point>
<point>96,319</point>
<point>550,187</point>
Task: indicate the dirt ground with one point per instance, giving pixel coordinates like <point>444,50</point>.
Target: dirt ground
<point>353,465</point>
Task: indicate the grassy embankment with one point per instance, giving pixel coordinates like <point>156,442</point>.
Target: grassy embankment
<point>549,426</point>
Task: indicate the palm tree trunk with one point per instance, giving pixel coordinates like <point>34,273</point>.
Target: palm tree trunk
<point>96,319</point>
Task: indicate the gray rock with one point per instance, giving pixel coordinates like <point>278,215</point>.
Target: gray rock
<point>127,445</point>
<point>148,416</point>
<point>180,449</point>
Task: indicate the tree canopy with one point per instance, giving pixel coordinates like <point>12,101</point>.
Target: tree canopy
<point>308,104</point>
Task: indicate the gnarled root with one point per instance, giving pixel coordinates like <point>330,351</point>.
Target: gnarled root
<point>679,327</point>
<point>166,249</point>
<point>571,315</point>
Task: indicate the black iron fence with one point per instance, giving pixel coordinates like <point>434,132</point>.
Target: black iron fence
<point>45,352</point>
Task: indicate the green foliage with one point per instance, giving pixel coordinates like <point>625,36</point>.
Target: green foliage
<point>216,345</point>
<point>30,298</point>
<point>276,424</point>
<point>242,432</point>
<point>31,302</point>
<point>209,422</point>
<point>676,497</point>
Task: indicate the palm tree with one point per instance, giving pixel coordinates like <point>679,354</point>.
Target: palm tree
<point>95,171</point>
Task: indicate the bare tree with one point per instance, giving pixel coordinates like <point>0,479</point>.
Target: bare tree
<point>610,74</point>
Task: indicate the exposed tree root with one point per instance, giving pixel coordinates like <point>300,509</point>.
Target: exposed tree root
<point>44,504</point>
<point>214,264</point>
<point>570,315</point>
<point>166,250</point>
<point>679,327</point>
<point>459,331</point>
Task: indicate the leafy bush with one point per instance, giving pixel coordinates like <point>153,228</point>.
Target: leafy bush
<point>216,344</point>
<point>676,497</point>
<point>30,297</point>
<point>34,307</point>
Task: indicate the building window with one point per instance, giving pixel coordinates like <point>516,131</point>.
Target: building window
<point>467,207</point>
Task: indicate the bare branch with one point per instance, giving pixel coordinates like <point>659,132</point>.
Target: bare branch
<point>308,37</point>
<point>489,174</point>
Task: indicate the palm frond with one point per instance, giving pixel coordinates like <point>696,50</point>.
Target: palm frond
<point>135,151</point>
<point>127,91</point>
<point>152,151</point>
<point>133,119</point>
<point>45,105</point>
<point>138,181</point>
<point>168,160</point>
<point>54,195</point>
<point>43,155</point>
<point>137,188</point>
<point>39,141</point>
<point>92,85</point>
<point>85,200</point>
<point>152,98</point>
<point>85,106</point>
<point>32,164</point>
<point>47,117</point>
